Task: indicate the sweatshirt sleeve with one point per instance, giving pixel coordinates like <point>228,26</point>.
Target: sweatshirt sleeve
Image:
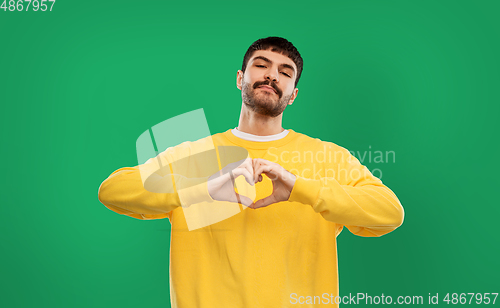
<point>149,191</point>
<point>358,200</point>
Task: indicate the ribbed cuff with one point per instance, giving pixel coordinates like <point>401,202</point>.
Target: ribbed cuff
<point>305,191</point>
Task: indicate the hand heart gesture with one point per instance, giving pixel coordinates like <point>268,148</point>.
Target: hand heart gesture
<point>283,181</point>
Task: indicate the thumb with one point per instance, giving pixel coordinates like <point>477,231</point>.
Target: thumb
<point>244,200</point>
<point>264,202</point>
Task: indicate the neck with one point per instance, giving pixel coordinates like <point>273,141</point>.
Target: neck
<point>257,124</point>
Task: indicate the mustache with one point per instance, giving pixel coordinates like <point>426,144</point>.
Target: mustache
<point>268,83</point>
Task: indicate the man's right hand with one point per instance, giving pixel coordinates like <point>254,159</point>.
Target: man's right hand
<point>221,184</point>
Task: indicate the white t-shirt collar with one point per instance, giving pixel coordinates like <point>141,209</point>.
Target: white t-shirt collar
<point>251,137</point>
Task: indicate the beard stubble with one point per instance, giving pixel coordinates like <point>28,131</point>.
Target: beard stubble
<point>264,103</point>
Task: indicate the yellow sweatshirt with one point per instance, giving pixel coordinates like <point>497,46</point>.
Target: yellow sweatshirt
<point>282,255</point>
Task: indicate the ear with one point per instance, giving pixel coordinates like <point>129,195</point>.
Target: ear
<point>294,95</point>
<point>239,78</point>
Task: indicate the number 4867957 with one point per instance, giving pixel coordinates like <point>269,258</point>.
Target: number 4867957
<point>26,5</point>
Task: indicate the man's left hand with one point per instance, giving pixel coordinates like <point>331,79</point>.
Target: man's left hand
<point>283,181</point>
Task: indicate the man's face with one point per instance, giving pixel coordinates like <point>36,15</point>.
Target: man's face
<point>268,84</point>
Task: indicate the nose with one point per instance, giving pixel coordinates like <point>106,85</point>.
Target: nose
<point>272,75</point>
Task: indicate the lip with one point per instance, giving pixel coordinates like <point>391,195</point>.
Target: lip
<point>268,88</point>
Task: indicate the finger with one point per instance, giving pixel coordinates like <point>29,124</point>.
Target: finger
<point>242,171</point>
<point>262,161</point>
<point>240,199</point>
<point>245,200</point>
<point>272,170</point>
<point>263,169</point>
<point>239,164</point>
<point>259,163</point>
<point>264,202</point>
<point>255,163</point>
<point>249,167</point>
<point>249,164</point>
<point>245,162</point>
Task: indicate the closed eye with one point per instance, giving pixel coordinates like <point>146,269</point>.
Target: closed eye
<point>263,66</point>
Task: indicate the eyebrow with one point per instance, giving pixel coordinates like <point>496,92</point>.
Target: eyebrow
<point>269,61</point>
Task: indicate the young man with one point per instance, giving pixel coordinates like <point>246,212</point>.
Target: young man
<point>279,249</point>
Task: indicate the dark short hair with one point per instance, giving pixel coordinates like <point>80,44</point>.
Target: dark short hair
<point>276,44</point>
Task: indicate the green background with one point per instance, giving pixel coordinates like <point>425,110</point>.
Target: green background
<point>79,84</point>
